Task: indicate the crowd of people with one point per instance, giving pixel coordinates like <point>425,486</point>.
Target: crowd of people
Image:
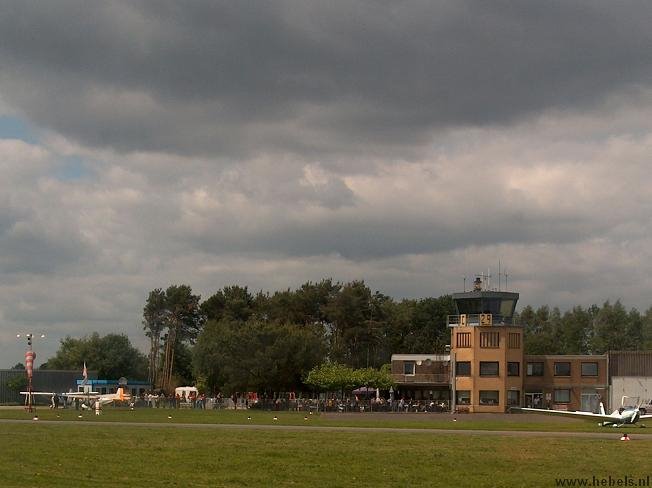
<point>247,401</point>
<point>180,400</point>
<point>287,402</point>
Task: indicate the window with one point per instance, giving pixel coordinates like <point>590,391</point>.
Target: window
<point>489,397</point>
<point>513,369</point>
<point>514,340</point>
<point>562,369</point>
<point>506,307</point>
<point>408,368</point>
<point>463,397</point>
<point>535,369</point>
<point>513,397</point>
<point>489,339</point>
<point>463,339</point>
<point>463,368</point>
<point>488,368</point>
<point>562,396</point>
<point>589,369</point>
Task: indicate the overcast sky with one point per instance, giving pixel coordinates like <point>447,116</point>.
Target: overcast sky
<point>407,144</point>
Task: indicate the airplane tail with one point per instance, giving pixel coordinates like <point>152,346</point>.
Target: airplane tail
<point>602,412</point>
<point>122,396</point>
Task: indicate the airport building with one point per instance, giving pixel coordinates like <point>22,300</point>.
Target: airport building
<point>43,380</point>
<point>103,387</point>
<point>487,370</point>
<point>566,382</point>
<point>486,351</point>
<point>62,381</point>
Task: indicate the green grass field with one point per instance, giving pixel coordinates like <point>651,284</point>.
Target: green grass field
<point>419,421</point>
<point>68,454</point>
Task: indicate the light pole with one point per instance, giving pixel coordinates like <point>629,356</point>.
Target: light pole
<point>451,351</point>
<point>30,356</point>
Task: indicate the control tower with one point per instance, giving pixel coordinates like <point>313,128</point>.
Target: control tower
<point>486,351</point>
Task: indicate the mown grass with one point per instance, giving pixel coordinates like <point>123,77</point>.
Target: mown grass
<point>422,421</point>
<point>36,454</point>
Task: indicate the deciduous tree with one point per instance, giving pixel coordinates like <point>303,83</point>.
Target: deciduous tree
<point>112,356</point>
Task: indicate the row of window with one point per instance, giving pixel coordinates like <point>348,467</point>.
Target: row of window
<point>562,368</point>
<point>492,397</point>
<point>491,368</point>
<point>487,368</point>
<point>488,340</point>
<point>488,397</point>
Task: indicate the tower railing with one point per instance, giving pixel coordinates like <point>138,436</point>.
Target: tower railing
<point>479,319</point>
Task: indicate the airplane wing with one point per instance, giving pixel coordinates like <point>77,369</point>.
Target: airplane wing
<point>48,393</point>
<point>647,416</point>
<point>81,395</point>
<point>586,415</point>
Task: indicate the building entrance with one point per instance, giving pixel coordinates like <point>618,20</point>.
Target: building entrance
<point>534,400</point>
<point>590,400</point>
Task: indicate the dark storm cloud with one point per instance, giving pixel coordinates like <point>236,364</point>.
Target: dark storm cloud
<point>313,78</point>
<point>365,238</point>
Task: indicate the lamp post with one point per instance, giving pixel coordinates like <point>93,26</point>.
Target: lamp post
<point>30,356</point>
<point>451,351</point>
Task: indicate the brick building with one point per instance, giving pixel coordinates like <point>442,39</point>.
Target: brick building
<point>487,370</point>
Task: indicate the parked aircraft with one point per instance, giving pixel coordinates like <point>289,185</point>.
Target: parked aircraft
<point>119,396</point>
<point>625,415</point>
<point>87,396</point>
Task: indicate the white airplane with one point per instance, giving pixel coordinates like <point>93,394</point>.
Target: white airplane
<point>88,396</point>
<point>625,415</point>
<point>119,396</point>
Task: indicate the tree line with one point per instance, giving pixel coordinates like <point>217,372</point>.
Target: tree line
<point>236,340</point>
<point>593,330</point>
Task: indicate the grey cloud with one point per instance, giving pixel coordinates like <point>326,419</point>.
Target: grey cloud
<point>27,250</point>
<point>242,78</point>
<point>372,237</point>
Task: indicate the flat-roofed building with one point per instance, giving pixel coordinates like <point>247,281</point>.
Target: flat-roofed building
<point>48,380</point>
<point>566,382</point>
<point>422,376</point>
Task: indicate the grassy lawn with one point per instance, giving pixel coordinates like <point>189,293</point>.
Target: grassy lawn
<point>420,421</point>
<point>36,455</point>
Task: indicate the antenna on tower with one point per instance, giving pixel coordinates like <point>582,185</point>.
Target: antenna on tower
<point>499,275</point>
<point>506,279</point>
